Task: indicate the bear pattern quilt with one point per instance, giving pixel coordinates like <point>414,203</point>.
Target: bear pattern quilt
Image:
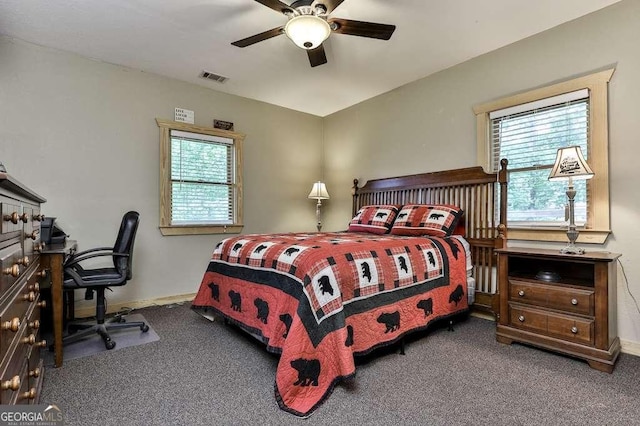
<point>319,299</point>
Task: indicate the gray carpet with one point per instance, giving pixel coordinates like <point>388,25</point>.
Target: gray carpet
<point>94,344</point>
<point>203,373</point>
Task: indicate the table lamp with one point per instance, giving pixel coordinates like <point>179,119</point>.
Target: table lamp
<point>319,192</point>
<point>570,165</point>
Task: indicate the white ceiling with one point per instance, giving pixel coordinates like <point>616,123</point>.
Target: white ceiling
<point>181,38</point>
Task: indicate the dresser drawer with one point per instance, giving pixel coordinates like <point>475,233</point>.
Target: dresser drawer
<point>567,299</point>
<point>14,314</point>
<point>566,327</point>
<point>12,378</point>
<point>10,268</point>
<point>10,217</point>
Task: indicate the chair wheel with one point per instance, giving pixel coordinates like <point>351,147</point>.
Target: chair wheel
<point>144,328</point>
<point>109,344</point>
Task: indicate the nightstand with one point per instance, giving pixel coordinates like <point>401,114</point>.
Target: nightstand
<point>561,302</point>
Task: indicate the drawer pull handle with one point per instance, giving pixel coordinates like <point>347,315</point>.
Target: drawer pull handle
<point>574,301</point>
<point>13,384</point>
<point>42,274</point>
<point>24,261</point>
<point>30,394</point>
<point>35,324</point>
<point>34,287</point>
<point>38,217</point>
<point>33,235</point>
<point>35,372</point>
<point>13,325</point>
<point>29,340</point>
<point>24,218</point>
<point>14,270</point>
<point>42,304</point>
<point>41,344</point>
<point>13,218</point>
<point>574,329</point>
<point>521,293</point>
<point>521,318</point>
<point>29,297</point>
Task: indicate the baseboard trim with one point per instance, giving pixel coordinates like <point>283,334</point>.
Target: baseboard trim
<point>90,311</point>
<point>630,347</point>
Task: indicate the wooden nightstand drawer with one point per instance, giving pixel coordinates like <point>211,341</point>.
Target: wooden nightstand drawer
<point>566,327</point>
<point>567,299</point>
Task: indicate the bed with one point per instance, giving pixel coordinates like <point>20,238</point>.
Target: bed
<point>320,299</point>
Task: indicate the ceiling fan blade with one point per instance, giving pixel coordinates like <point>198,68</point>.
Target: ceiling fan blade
<point>362,29</point>
<point>259,37</point>
<point>276,5</point>
<point>317,56</point>
<point>329,4</point>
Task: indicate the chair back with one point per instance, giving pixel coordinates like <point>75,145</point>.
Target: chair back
<point>124,243</point>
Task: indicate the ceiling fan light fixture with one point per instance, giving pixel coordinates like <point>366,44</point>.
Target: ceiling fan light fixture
<point>307,31</point>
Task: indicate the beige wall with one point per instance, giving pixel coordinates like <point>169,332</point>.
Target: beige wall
<point>429,125</point>
<point>83,134</point>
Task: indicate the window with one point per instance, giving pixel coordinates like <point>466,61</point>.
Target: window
<point>528,129</point>
<point>200,180</point>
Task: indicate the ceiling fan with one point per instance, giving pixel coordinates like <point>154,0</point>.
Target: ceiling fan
<point>309,26</point>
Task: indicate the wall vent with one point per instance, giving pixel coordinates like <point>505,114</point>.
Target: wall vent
<point>214,77</point>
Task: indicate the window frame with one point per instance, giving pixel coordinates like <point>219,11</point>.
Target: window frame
<point>166,227</point>
<point>599,226</point>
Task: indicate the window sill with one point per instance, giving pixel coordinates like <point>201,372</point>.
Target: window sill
<point>200,229</point>
<point>586,236</point>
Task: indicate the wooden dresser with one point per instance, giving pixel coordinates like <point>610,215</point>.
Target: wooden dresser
<point>21,369</point>
<point>560,302</point>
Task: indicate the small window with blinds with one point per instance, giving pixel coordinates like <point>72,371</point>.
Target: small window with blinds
<point>529,135</point>
<point>202,179</point>
<point>201,182</point>
<point>527,128</point>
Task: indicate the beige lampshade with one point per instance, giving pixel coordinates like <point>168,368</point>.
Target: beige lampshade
<point>570,164</point>
<point>319,191</point>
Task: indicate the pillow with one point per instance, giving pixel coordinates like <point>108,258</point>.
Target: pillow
<point>376,219</point>
<point>438,220</point>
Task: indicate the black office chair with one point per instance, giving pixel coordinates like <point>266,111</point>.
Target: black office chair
<point>99,279</point>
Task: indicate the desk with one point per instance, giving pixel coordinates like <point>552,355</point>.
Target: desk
<point>52,258</point>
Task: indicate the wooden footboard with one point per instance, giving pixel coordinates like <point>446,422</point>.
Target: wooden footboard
<point>482,196</point>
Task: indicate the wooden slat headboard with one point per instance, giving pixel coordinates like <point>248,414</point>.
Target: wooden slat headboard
<point>482,196</point>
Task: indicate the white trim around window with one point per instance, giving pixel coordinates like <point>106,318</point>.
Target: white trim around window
<point>233,224</point>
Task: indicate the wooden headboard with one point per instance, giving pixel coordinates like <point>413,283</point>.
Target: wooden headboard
<point>482,196</point>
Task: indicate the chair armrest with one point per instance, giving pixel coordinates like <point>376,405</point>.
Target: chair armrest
<point>80,253</point>
<point>72,257</point>
<point>87,255</point>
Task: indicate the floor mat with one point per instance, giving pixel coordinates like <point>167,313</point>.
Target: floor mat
<point>93,344</point>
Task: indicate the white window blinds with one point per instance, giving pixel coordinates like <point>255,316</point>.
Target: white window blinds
<point>529,136</point>
<point>202,179</point>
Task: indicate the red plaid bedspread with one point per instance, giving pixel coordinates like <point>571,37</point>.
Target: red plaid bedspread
<point>319,299</point>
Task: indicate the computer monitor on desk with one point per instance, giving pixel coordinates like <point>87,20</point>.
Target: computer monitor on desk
<point>50,233</point>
